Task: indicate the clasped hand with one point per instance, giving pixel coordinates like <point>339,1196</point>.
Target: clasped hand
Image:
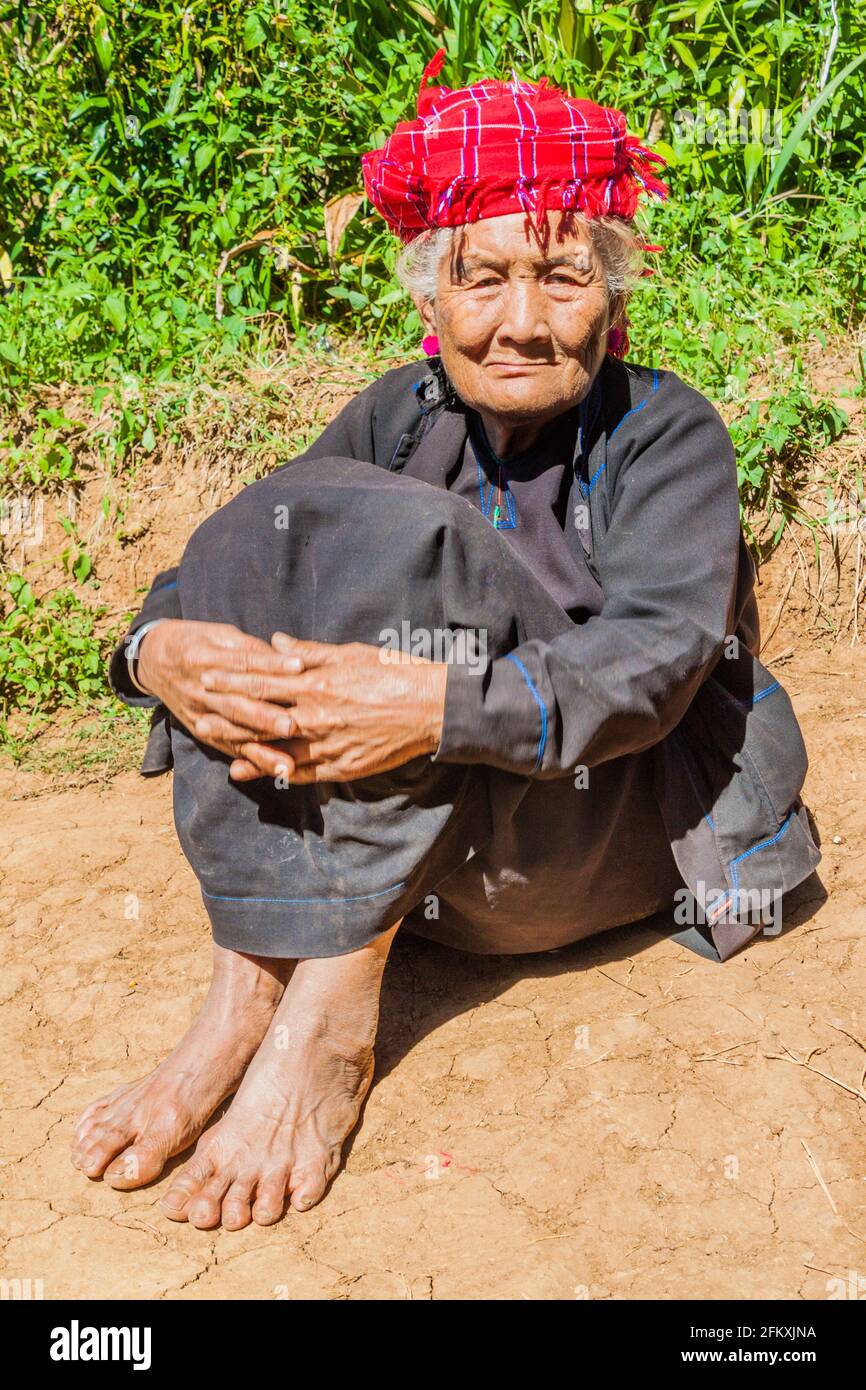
<point>305,711</point>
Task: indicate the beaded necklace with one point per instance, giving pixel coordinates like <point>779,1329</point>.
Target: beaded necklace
<point>502,518</point>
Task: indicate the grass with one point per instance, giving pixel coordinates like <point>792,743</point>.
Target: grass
<point>75,750</point>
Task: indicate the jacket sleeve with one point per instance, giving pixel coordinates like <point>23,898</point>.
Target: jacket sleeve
<point>668,570</point>
<point>161,602</point>
<point>349,435</point>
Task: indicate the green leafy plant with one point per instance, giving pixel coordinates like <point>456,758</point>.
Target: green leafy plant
<point>775,440</point>
<point>150,155</point>
<point>50,654</point>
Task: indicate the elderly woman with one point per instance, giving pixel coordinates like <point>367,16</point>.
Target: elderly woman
<point>481,661</point>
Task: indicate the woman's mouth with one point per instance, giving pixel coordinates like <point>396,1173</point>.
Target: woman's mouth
<point>516,368</point>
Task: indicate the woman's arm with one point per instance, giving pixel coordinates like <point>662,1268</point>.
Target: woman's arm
<point>161,602</point>
<point>668,569</point>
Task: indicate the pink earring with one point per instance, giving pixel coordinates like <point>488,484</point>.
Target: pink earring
<point>614,341</point>
<point>618,341</point>
<point>430,345</point>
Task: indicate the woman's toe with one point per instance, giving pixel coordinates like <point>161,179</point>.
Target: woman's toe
<point>270,1202</point>
<point>236,1211</point>
<point>308,1187</point>
<point>139,1164</point>
<point>94,1154</point>
<point>186,1187</point>
<point>205,1210</point>
<point>80,1155</point>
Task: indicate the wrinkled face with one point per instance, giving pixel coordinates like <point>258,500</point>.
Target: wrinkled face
<point>522,330</point>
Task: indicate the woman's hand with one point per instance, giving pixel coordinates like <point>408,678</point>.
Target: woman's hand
<point>356,710</point>
<point>172,659</point>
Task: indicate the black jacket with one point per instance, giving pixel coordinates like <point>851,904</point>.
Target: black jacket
<point>670,662</point>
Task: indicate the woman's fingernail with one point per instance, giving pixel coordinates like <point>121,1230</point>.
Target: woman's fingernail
<point>285,727</point>
<point>293,663</point>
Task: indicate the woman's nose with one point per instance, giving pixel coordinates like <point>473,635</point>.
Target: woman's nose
<point>524,318</point>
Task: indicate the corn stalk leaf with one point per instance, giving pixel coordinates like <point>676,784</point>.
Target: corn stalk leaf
<point>793,140</point>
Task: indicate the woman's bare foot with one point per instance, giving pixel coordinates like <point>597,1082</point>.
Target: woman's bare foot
<point>141,1126</point>
<point>301,1096</point>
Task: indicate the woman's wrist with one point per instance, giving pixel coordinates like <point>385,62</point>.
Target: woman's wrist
<point>139,672</point>
<point>432,703</point>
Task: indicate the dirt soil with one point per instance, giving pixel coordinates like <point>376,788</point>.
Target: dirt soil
<point>617,1120</point>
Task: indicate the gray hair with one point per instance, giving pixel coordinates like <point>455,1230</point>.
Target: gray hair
<point>616,242</point>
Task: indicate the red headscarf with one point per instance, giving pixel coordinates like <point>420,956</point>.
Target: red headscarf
<point>503,147</point>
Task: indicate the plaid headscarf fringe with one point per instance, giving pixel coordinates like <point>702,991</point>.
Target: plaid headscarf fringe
<point>445,168</point>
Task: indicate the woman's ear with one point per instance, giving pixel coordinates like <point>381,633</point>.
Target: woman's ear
<point>426,310</point>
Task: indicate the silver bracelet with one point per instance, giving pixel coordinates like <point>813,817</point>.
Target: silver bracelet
<point>133,645</point>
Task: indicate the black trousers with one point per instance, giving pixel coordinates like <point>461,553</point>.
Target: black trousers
<point>337,550</point>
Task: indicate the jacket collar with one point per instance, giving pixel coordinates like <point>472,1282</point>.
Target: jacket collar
<point>445,424</point>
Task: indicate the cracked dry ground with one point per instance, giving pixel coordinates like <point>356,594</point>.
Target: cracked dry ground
<point>677,1155</point>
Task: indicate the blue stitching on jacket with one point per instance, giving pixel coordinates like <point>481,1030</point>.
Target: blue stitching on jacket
<point>595,477</point>
<point>362,897</point>
<point>765,844</point>
<point>542,742</point>
<point>762,694</point>
<point>586,490</point>
<point>635,408</point>
<point>756,699</point>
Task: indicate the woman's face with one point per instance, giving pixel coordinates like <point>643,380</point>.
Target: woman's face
<point>522,331</point>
